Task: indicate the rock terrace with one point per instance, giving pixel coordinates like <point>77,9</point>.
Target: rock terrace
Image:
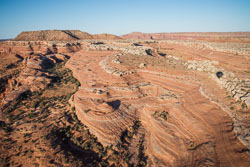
<point>181,124</point>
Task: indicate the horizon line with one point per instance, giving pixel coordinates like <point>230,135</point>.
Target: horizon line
<point>130,32</point>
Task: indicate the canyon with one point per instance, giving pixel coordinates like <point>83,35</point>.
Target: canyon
<point>69,98</point>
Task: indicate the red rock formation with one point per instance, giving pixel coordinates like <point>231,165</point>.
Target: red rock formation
<point>33,59</point>
<point>185,114</point>
<point>61,35</point>
<point>243,37</point>
<point>195,131</point>
<point>53,35</point>
<point>106,36</point>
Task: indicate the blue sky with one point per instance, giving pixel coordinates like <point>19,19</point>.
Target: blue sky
<point>124,16</point>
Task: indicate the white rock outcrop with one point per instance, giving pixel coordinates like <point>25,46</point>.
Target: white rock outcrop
<point>240,89</point>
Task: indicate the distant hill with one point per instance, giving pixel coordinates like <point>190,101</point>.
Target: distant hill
<point>203,36</point>
<point>52,35</point>
<point>105,36</point>
<point>60,35</point>
<point>4,40</point>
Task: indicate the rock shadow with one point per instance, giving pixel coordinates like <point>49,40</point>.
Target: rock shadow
<point>115,104</point>
<point>162,54</point>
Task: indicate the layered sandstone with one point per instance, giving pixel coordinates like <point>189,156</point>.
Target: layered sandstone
<point>157,101</point>
<point>33,59</point>
<point>184,123</point>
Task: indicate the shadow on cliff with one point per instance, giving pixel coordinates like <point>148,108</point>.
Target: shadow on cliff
<point>60,141</point>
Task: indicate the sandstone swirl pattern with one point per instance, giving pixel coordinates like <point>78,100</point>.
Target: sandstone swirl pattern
<point>196,131</point>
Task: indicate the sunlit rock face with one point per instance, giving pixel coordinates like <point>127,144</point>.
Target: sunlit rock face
<point>185,117</point>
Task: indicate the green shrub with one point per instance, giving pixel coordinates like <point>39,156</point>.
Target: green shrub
<point>86,111</point>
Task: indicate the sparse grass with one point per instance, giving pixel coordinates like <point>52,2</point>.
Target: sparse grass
<point>121,149</point>
<point>142,158</point>
<point>163,115</point>
<point>88,110</point>
<point>56,130</point>
<point>34,109</point>
<point>243,106</point>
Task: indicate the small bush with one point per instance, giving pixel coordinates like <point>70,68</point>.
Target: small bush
<point>86,111</point>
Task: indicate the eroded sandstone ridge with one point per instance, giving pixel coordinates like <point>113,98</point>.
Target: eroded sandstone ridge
<point>134,102</point>
<point>34,60</point>
<point>185,115</point>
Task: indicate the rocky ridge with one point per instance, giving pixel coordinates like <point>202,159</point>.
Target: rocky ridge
<point>35,58</point>
<point>112,70</point>
<point>136,50</point>
<point>61,35</point>
<point>193,36</point>
<point>105,37</point>
<point>236,48</point>
<point>238,88</point>
<point>115,96</point>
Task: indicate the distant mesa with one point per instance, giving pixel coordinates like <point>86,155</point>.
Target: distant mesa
<point>52,35</point>
<point>74,35</point>
<point>60,35</point>
<point>105,36</point>
<point>242,37</point>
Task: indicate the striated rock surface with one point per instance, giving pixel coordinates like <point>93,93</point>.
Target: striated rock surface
<point>26,48</point>
<point>183,121</point>
<point>33,77</point>
<point>32,59</point>
<point>233,48</point>
<point>148,102</point>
